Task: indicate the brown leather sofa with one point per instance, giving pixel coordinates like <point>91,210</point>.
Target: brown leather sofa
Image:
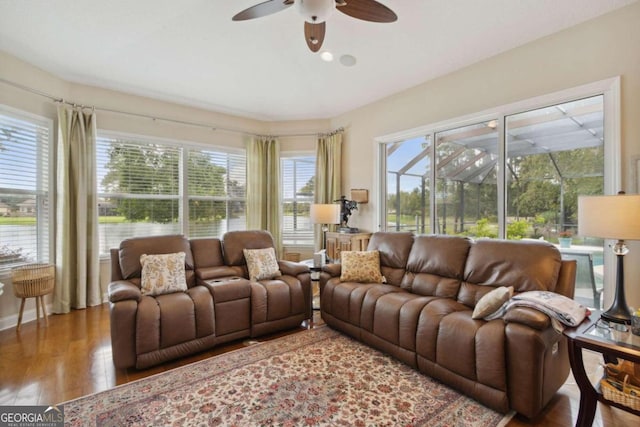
<point>221,304</point>
<point>422,315</point>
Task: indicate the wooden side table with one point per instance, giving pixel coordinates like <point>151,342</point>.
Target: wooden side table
<point>609,342</point>
<point>338,242</point>
<point>33,281</point>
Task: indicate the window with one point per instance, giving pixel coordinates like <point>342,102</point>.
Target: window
<point>24,188</point>
<point>512,173</point>
<point>550,155</point>
<point>216,192</point>
<point>408,185</point>
<point>298,173</point>
<point>466,184</point>
<point>554,154</point>
<point>143,189</point>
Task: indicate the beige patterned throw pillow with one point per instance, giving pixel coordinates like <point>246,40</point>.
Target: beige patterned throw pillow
<point>163,274</point>
<point>361,266</point>
<point>492,301</point>
<point>262,263</point>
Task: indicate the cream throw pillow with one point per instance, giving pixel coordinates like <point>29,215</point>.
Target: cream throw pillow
<point>361,266</point>
<point>262,263</point>
<point>492,301</point>
<point>163,274</point>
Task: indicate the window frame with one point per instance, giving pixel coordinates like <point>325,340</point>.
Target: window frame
<point>183,147</point>
<point>291,155</point>
<point>45,244</point>
<point>608,88</point>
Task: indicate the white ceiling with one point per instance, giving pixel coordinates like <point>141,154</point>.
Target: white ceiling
<point>190,52</point>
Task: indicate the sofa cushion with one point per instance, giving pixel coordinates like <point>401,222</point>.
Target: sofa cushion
<point>233,243</point>
<point>441,255</point>
<point>262,263</point>
<point>525,265</point>
<point>361,267</point>
<point>492,301</point>
<point>207,252</point>
<point>436,265</point>
<point>131,249</point>
<point>163,274</point>
<point>394,248</point>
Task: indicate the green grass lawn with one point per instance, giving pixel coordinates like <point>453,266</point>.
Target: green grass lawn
<point>17,220</point>
<point>111,219</point>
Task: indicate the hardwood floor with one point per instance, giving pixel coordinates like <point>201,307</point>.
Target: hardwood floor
<point>72,357</point>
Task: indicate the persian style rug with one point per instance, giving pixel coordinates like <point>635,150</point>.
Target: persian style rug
<point>312,378</point>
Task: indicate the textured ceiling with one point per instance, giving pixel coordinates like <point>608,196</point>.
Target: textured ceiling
<point>191,52</point>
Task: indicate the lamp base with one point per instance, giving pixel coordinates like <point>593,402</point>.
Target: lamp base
<point>617,315</point>
<point>619,311</point>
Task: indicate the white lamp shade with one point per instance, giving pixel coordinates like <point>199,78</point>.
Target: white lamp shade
<point>610,217</point>
<point>325,214</point>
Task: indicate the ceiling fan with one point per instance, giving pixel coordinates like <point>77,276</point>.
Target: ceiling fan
<point>316,12</point>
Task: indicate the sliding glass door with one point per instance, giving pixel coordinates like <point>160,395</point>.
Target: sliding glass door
<point>408,185</point>
<point>466,185</point>
<point>555,154</point>
<point>515,174</point>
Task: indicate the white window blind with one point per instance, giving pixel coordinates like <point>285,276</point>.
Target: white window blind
<point>144,189</point>
<point>298,175</point>
<point>138,189</point>
<point>24,188</point>
<point>217,182</point>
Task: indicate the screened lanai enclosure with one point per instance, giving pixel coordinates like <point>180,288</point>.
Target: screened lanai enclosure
<point>450,181</point>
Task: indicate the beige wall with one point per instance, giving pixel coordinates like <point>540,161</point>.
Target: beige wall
<point>599,49</point>
<point>232,131</point>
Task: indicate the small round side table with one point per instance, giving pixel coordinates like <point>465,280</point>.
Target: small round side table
<point>33,281</point>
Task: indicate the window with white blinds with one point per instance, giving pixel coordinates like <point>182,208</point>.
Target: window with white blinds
<point>298,176</point>
<point>217,182</point>
<point>152,187</point>
<point>24,188</point>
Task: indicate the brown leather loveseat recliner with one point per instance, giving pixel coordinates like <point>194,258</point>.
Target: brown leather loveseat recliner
<point>423,314</point>
<point>221,304</point>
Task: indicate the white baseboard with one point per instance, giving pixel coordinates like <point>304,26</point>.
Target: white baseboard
<point>11,321</point>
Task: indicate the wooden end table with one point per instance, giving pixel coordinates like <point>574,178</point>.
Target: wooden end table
<point>611,343</point>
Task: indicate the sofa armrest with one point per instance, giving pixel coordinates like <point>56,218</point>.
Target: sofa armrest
<point>529,317</point>
<point>208,273</point>
<point>290,268</point>
<point>122,290</point>
<point>334,270</point>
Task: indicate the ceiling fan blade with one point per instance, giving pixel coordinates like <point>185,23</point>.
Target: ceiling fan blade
<point>314,35</point>
<point>367,10</point>
<point>262,9</point>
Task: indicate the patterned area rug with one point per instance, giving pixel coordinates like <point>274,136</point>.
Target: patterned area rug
<point>312,378</point>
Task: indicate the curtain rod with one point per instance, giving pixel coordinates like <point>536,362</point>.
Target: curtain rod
<point>146,116</point>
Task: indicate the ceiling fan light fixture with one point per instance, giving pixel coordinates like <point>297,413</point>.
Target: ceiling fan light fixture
<point>316,11</point>
<point>326,56</point>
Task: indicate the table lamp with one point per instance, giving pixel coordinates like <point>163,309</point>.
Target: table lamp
<point>612,217</point>
<point>325,214</point>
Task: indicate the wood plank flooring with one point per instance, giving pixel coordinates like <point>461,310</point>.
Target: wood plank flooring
<point>72,357</point>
